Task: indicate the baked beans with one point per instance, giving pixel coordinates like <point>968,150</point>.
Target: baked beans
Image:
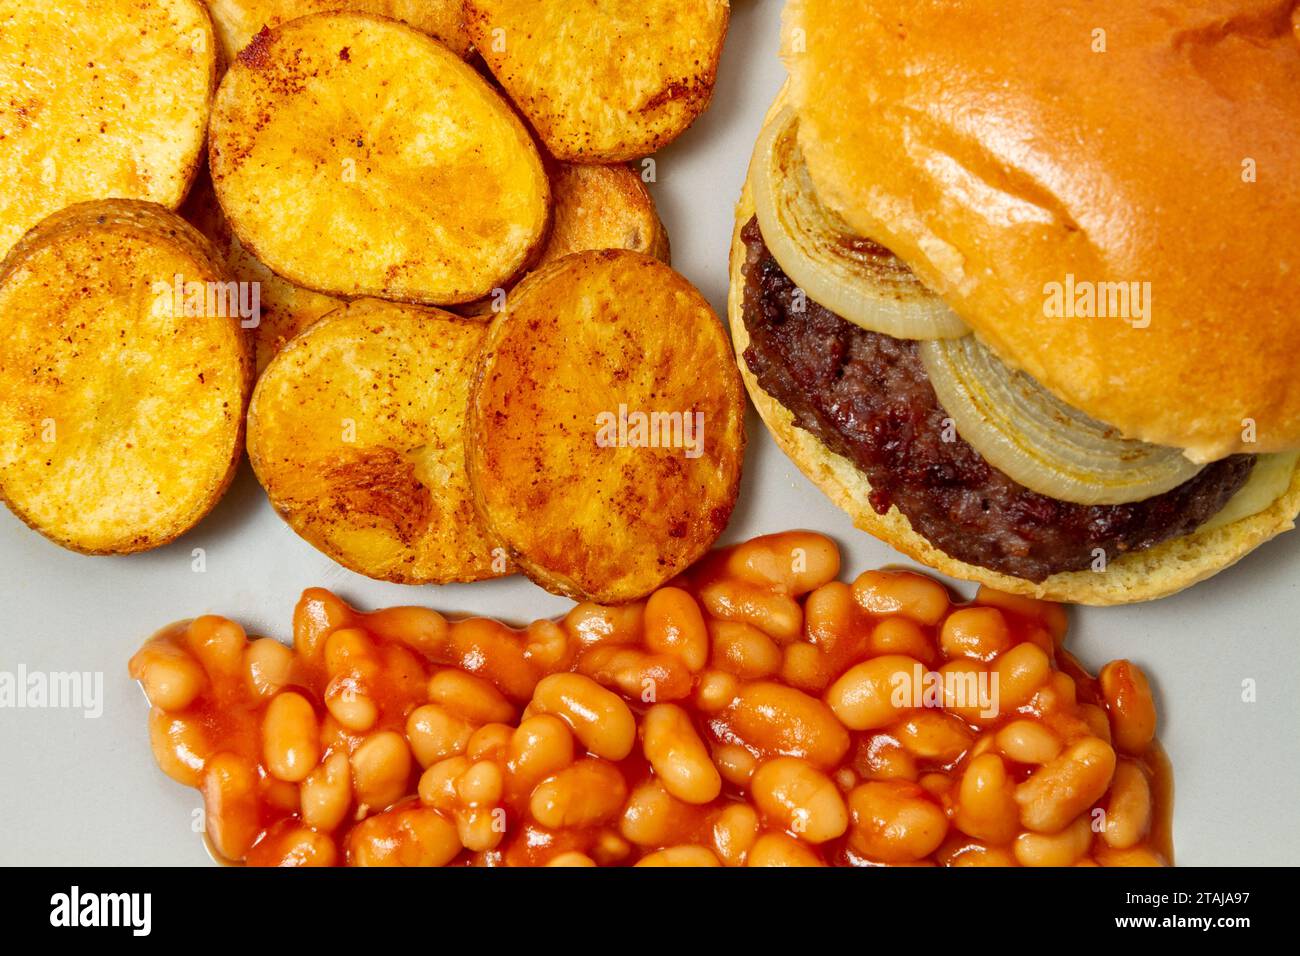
<point>755,712</point>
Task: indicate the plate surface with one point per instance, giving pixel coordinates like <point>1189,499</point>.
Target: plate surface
<point>85,791</point>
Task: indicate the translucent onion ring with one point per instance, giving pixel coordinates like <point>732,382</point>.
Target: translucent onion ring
<point>1036,439</point>
<point>857,279</point>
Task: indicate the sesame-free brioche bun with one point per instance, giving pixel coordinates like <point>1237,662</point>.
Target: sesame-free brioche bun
<point>1140,576</point>
<point>997,148</point>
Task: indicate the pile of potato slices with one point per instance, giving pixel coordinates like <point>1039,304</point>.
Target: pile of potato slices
<point>400,250</point>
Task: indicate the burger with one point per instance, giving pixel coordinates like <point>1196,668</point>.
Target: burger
<point>1018,284</point>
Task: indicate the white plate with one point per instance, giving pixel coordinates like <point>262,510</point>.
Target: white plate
<point>75,790</point>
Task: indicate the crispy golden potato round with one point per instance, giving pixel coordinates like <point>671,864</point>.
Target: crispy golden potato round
<point>100,99</point>
<point>123,377</point>
<point>594,207</point>
<point>238,21</point>
<point>604,80</point>
<point>606,426</point>
<point>284,309</point>
<point>356,431</point>
<point>603,207</point>
<point>356,156</point>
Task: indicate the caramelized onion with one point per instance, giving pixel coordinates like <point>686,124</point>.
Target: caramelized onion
<point>857,279</point>
<point>1038,440</point>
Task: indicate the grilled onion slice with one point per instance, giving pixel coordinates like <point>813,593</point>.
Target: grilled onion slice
<point>855,278</point>
<point>1036,439</point>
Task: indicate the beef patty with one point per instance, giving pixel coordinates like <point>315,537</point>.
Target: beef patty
<point>867,397</point>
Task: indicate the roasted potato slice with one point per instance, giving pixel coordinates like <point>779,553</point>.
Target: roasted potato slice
<point>123,377</point>
<point>604,80</point>
<point>356,431</point>
<point>100,99</point>
<point>284,308</point>
<point>356,156</point>
<point>595,207</point>
<point>606,426</point>
<point>603,207</point>
<point>238,21</point>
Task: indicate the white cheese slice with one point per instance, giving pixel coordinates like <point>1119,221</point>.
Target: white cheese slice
<point>1268,482</point>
